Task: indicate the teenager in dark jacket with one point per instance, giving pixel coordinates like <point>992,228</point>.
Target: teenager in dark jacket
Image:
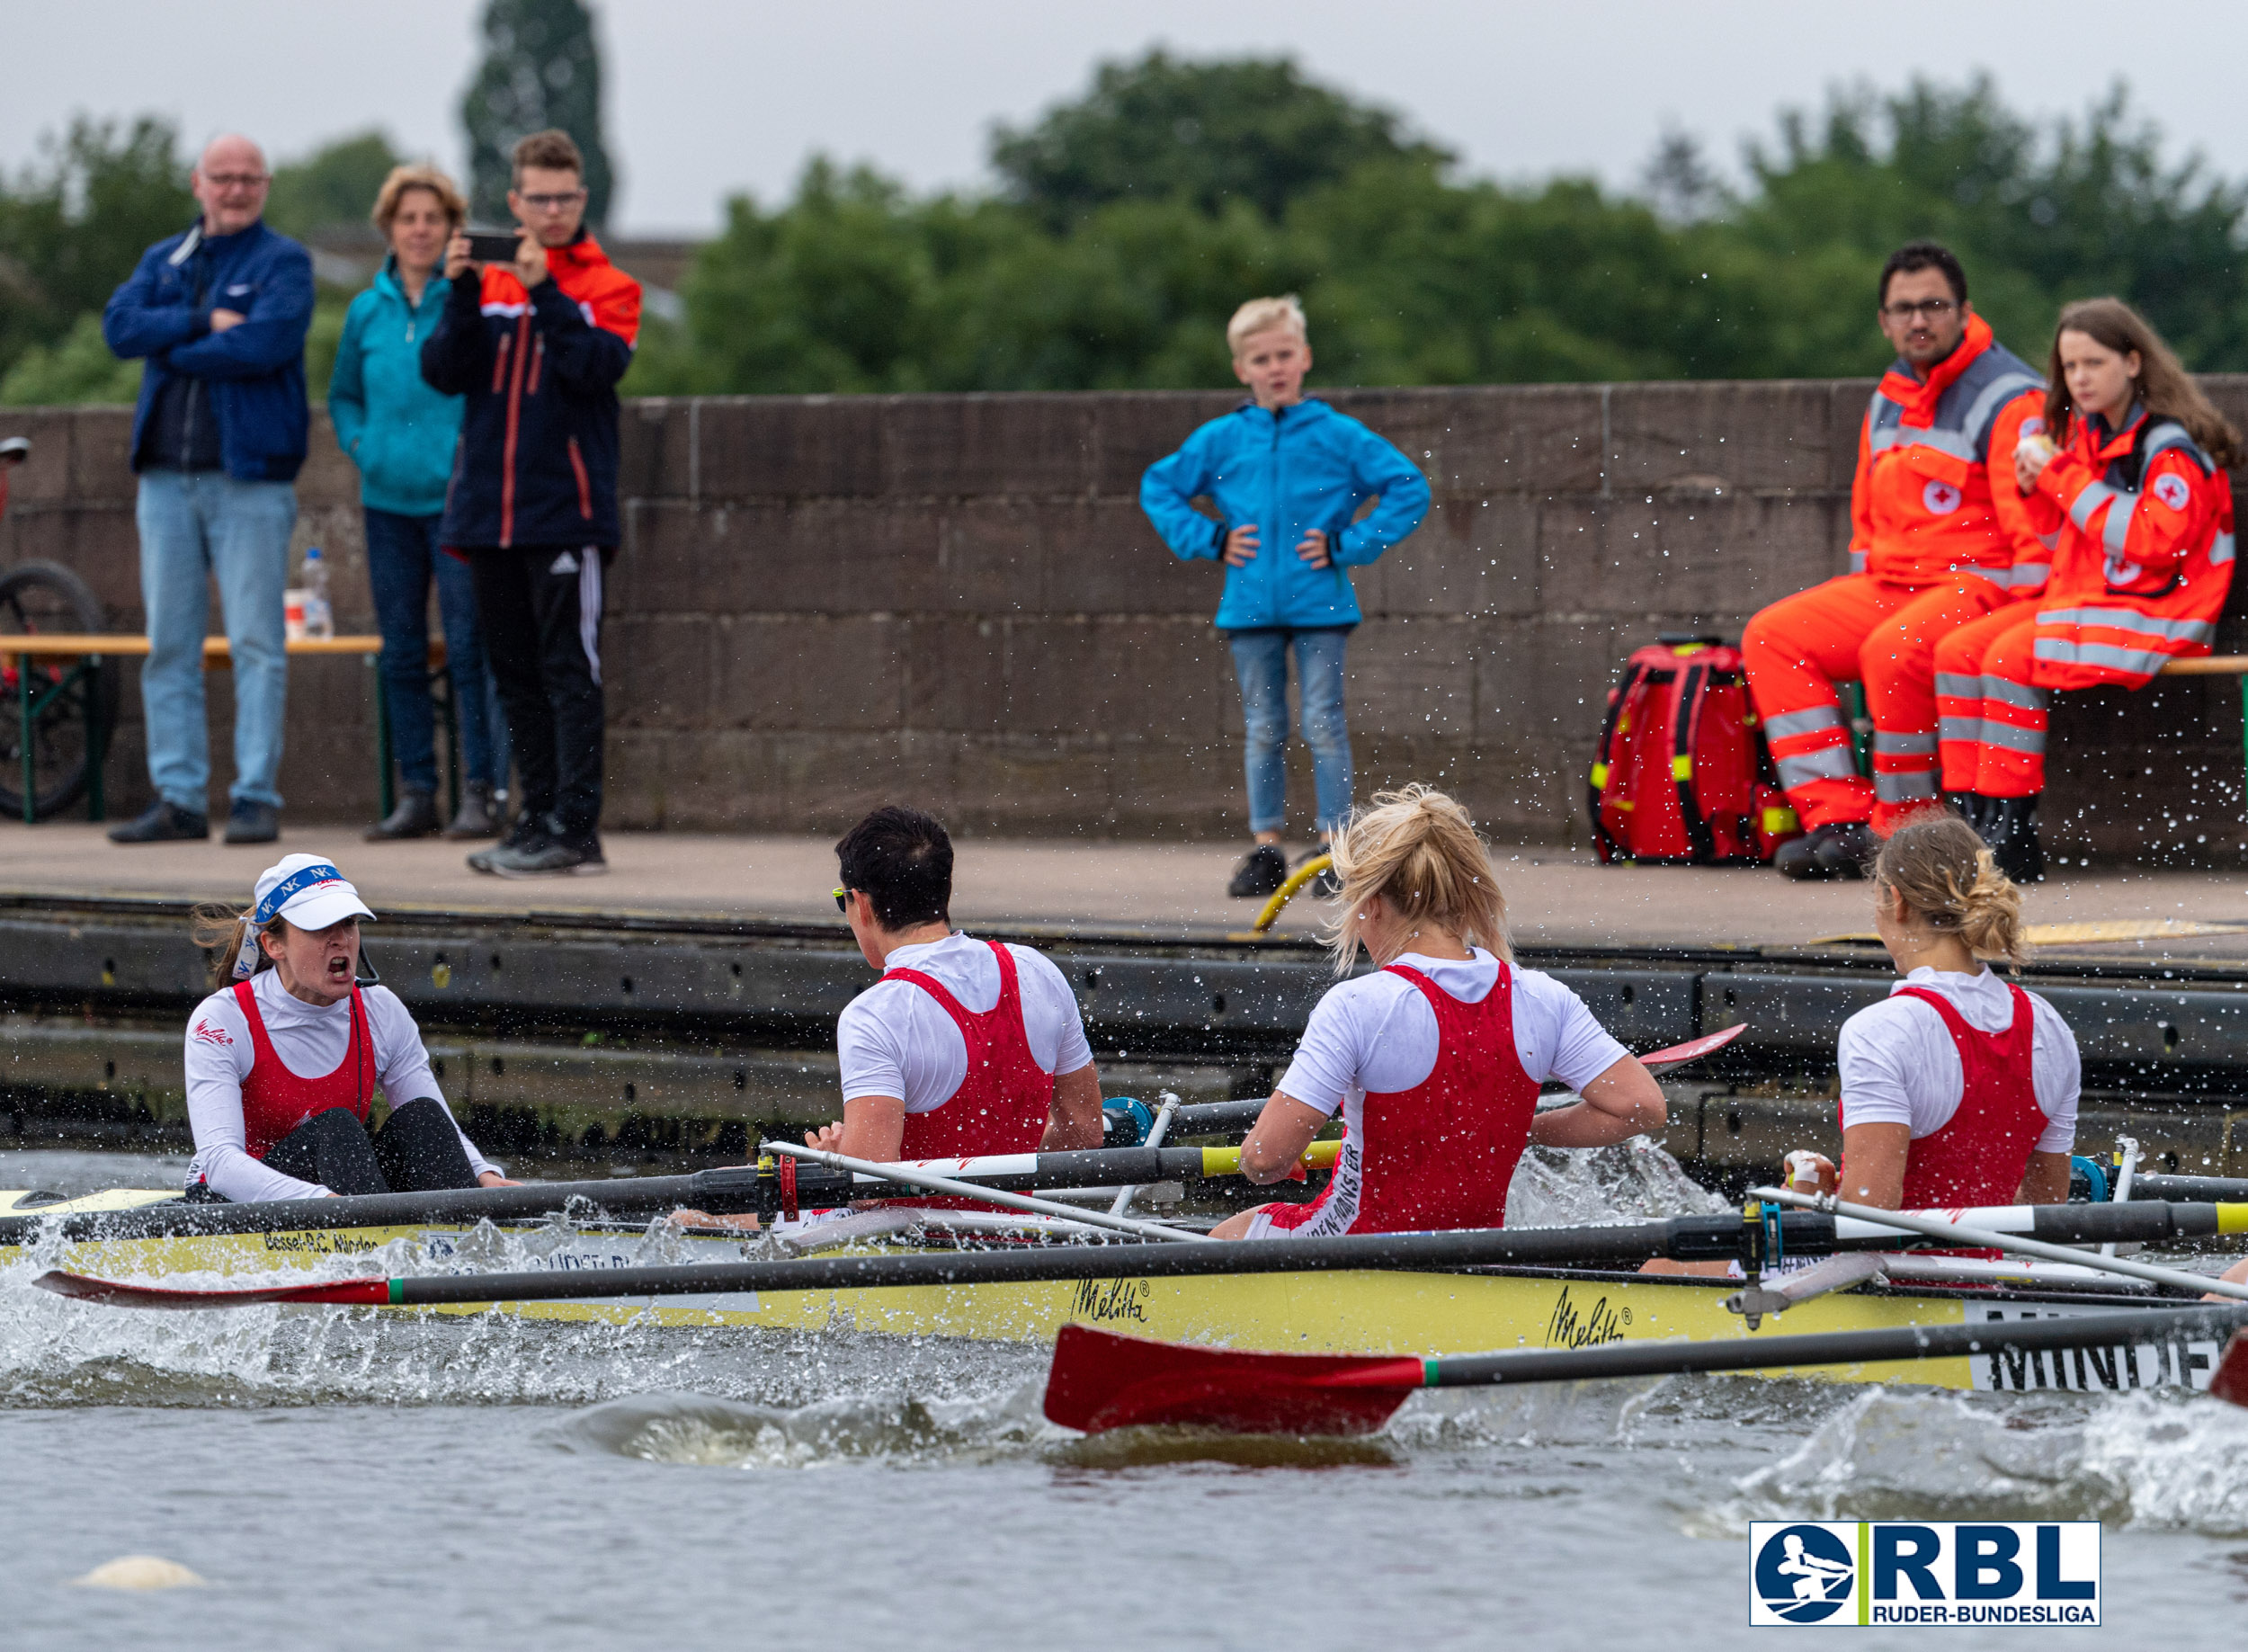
<point>536,346</point>
<point>220,314</point>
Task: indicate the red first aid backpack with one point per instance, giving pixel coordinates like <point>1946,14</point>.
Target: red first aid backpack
<point>1683,772</point>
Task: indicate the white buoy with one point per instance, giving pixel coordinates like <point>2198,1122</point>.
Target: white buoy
<point>139,1572</point>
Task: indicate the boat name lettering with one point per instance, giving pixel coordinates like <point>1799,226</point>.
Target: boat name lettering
<point>320,1243</point>
<point>1113,1299</point>
<point>1569,1328</point>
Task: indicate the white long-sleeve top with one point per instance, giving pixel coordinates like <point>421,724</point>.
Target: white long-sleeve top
<point>310,1041</point>
<point>1900,1067</point>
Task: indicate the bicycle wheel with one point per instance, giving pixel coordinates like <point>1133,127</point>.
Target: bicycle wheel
<point>47,598</point>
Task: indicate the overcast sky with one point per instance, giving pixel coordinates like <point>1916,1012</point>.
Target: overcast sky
<point>709,97</point>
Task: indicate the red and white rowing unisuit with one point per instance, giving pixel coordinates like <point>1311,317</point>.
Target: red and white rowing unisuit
<point>260,1061</point>
<point>970,1035</point>
<point>1435,1065</point>
<point>1984,1073</point>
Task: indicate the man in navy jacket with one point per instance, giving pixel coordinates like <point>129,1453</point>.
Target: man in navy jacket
<point>220,314</point>
<point>537,347</point>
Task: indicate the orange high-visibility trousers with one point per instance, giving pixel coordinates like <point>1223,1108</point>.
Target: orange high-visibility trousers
<point>1857,628</point>
<point>1994,714</point>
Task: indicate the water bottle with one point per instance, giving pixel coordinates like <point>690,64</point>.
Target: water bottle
<point>319,618</point>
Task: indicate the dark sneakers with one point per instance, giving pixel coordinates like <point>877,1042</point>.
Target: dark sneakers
<point>549,857</point>
<point>523,835</point>
<point>253,823</point>
<point>414,816</point>
<point>1261,873</point>
<point>1840,848</point>
<point>162,823</point>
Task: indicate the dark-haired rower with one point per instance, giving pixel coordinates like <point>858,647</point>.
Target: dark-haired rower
<point>963,1047</point>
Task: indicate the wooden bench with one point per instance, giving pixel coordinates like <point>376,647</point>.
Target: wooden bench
<point>81,685</point>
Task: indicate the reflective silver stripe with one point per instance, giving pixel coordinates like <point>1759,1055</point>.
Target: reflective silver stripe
<point>1967,728</point>
<point>1996,575</point>
<point>1996,395</point>
<point>2095,495</point>
<point>2031,572</point>
<point>2168,436</point>
<point>2133,662</point>
<point>2118,527</point>
<point>1905,787</point>
<point>1889,744</point>
<point>1834,763</point>
<point>2019,695</point>
<point>1884,437</point>
<point>2132,619</point>
<point>1857,561</point>
<point>1789,724</point>
<point>2010,738</point>
<point>1965,688</point>
<point>2221,551</point>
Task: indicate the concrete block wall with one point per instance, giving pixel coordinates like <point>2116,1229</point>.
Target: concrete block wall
<point>827,603</point>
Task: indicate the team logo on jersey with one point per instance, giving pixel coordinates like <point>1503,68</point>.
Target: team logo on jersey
<point>2172,491</point>
<point>1940,498</point>
<point>210,1034</point>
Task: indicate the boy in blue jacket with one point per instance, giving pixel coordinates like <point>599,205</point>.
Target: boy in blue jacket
<point>1287,475</point>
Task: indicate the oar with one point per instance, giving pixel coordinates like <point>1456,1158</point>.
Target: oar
<point>1680,1238</point>
<point>1209,1117</point>
<point>1099,1380</point>
<point>913,1176</point>
<point>1984,1239</point>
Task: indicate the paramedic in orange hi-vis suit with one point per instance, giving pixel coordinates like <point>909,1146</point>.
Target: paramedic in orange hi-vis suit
<point>1940,535</point>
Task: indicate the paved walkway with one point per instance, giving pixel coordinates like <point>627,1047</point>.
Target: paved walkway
<point>1555,898</point>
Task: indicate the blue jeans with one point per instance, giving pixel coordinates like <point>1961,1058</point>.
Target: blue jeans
<point>1260,661</point>
<point>194,525</point>
<point>402,558</point>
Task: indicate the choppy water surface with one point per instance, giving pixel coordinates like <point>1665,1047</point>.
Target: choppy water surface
<point>341,1481</point>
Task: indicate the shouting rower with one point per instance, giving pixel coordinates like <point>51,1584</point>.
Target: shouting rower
<point>284,1065</point>
<point>1435,1060</point>
<point>963,1047</point>
<point>1959,1089</point>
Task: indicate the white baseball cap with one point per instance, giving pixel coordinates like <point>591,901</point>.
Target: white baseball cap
<point>308,891</point>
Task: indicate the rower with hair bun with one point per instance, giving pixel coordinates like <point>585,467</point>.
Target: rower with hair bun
<point>1959,1089</point>
<point>1434,1060</point>
<point>283,1063</point>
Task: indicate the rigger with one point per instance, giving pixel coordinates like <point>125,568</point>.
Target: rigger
<point>1936,541</point>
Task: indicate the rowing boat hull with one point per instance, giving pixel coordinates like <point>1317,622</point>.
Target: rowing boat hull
<point>1360,1312</point>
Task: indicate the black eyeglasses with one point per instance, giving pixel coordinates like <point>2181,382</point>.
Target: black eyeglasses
<point>1934,309</point>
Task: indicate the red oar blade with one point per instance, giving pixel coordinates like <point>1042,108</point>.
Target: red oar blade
<point>1101,1380</point>
<point>120,1293</point>
<point>2230,1380</point>
<point>1693,1050</point>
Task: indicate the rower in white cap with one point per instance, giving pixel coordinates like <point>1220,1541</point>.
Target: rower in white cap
<point>284,1063</point>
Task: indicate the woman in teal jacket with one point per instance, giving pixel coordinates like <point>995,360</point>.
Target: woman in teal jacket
<point>401,434</point>
<point>1288,474</point>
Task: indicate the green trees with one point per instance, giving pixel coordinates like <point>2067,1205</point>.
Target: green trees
<point>1130,222</point>
<point>1125,224</point>
<point>540,69</point>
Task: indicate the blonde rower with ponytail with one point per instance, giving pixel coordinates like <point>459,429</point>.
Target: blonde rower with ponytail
<point>1958,1088</point>
<point>1435,1059</point>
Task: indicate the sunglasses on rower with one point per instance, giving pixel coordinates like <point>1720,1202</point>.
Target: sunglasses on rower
<point>842,898</point>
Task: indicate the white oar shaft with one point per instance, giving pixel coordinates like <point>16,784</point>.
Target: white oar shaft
<point>912,1177</point>
<point>1156,1133</point>
<point>1980,1239</point>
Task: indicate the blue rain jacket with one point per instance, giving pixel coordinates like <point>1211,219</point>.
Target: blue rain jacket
<point>1288,471</point>
<point>400,432</point>
<point>255,371</point>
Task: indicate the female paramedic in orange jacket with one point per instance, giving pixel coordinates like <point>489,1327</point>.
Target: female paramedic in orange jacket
<point>2129,474</point>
